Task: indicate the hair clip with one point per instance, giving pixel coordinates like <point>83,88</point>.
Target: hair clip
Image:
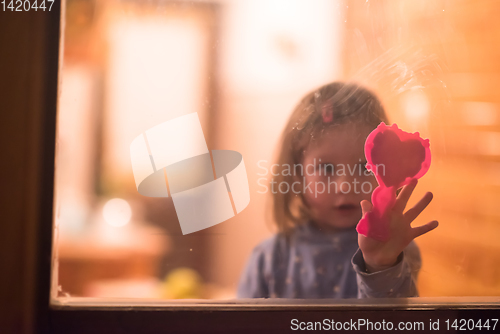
<point>327,114</point>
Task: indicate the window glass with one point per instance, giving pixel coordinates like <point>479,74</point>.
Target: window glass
<point>176,124</point>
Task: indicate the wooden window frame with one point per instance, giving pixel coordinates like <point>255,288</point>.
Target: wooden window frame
<point>218,317</point>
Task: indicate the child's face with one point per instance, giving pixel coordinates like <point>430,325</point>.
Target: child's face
<point>340,181</point>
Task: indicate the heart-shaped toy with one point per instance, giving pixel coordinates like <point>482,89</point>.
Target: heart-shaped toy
<point>395,157</point>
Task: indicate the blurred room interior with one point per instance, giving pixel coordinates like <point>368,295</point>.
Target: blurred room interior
<point>242,65</point>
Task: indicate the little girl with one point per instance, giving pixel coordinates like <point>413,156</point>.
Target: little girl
<point>317,252</point>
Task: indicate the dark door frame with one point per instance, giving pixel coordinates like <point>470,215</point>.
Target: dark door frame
<point>41,31</point>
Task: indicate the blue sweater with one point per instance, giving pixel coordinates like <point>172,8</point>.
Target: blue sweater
<point>314,264</point>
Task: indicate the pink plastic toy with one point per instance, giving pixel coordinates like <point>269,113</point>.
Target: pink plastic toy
<point>395,157</point>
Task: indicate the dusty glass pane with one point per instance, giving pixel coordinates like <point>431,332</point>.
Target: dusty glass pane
<point>177,121</point>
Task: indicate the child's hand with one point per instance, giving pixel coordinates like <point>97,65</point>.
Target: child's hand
<point>382,255</point>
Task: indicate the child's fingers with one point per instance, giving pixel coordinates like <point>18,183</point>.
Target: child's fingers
<point>404,196</point>
<point>412,213</point>
<point>419,230</point>
<point>366,206</point>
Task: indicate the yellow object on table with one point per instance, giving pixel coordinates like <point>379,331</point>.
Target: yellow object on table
<point>182,283</point>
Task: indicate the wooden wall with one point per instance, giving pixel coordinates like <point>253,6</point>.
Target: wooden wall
<point>448,52</point>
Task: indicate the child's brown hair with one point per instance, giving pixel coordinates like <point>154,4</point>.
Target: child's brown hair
<point>328,106</point>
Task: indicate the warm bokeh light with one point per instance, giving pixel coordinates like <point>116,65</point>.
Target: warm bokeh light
<point>117,212</point>
<point>416,107</point>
